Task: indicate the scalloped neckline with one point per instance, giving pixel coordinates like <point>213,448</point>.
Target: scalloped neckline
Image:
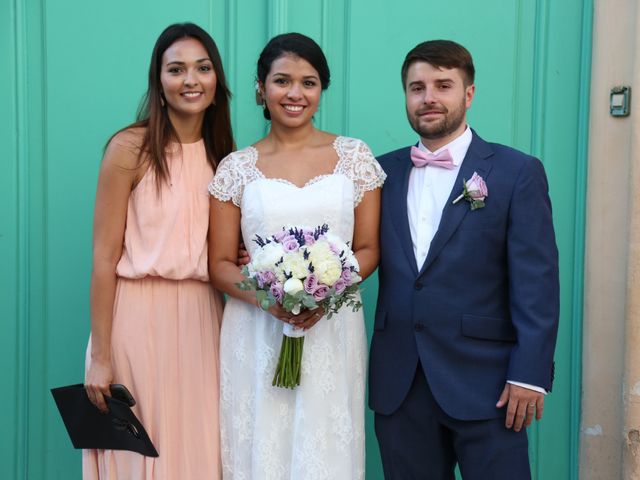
<point>309,182</point>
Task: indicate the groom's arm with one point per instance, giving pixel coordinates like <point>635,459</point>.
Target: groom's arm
<point>532,267</point>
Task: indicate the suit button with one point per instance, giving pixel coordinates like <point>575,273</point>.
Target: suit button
<point>418,327</point>
<point>417,286</point>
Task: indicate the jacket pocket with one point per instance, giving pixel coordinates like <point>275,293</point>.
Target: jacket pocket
<point>380,320</point>
<point>487,328</point>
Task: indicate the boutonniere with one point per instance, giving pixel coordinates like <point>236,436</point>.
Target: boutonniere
<point>474,191</point>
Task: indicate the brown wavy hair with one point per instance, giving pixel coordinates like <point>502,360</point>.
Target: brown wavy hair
<point>153,117</point>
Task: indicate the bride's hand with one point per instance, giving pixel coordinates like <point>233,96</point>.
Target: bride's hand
<point>305,319</point>
<point>308,318</point>
<point>280,313</point>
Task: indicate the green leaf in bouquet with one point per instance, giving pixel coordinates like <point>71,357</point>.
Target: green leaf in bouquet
<point>248,284</point>
<point>308,301</point>
<point>289,302</point>
<point>265,299</point>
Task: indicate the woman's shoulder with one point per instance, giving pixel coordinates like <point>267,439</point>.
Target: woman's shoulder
<point>351,147</point>
<point>239,158</point>
<point>350,143</point>
<point>130,138</point>
<point>125,146</point>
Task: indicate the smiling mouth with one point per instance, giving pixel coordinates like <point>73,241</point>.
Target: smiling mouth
<point>191,94</point>
<point>293,108</point>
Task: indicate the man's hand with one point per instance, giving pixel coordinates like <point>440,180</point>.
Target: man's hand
<point>523,404</point>
<point>243,255</point>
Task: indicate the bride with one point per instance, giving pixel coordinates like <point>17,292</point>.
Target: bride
<point>296,175</point>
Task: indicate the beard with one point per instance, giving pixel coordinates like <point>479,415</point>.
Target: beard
<point>448,123</point>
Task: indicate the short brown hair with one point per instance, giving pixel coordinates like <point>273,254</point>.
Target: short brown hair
<point>441,54</point>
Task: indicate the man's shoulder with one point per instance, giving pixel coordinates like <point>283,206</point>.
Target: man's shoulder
<point>508,160</point>
<point>390,158</point>
<point>500,150</point>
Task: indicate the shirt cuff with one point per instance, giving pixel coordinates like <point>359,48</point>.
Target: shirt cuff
<point>530,387</point>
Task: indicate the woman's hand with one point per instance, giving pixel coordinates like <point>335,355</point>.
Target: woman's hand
<point>99,377</point>
<point>308,318</point>
<point>304,320</point>
<point>280,313</point>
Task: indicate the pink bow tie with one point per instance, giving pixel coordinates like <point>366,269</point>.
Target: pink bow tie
<point>442,159</point>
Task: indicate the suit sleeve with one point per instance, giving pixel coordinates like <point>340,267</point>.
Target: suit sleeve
<point>534,290</point>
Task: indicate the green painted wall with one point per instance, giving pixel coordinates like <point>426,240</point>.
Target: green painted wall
<point>75,71</point>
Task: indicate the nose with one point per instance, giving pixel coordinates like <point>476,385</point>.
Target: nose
<point>429,96</point>
<point>191,78</point>
<point>295,91</point>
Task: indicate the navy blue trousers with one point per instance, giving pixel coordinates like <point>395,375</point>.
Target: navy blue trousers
<point>419,441</point>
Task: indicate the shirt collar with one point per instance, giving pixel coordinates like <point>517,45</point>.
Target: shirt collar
<point>457,147</point>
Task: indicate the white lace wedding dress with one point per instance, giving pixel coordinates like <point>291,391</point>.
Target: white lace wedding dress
<point>315,431</point>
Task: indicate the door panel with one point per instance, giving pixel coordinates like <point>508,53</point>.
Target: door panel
<point>78,70</point>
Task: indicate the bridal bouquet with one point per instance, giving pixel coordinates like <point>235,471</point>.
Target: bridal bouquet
<point>301,268</point>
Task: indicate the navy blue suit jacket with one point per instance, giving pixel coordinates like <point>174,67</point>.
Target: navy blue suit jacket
<point>484,307</point>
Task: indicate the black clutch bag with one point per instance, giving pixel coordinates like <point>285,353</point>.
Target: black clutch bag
<point>88,427</point>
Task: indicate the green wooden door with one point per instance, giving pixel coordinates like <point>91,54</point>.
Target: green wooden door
<point>75,70</point>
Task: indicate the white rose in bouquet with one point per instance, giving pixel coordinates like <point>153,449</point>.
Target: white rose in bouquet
<point>293,286</point>
<point>264,258</point>
<point>296,265</point>
<point>328,271</point>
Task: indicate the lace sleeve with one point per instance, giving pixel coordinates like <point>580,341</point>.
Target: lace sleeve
<point>359,165</point>
<point>232,175</point>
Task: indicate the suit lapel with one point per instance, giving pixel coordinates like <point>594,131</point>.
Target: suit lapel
<point>399,214</point>
<point>476,160</point>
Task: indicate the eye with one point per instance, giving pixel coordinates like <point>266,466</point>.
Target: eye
<point>417,88</point>
<point>280,81</point>
<point>310,83</point>
<point>205,68</point>
<point>445,86</point>
<point>174,70</point>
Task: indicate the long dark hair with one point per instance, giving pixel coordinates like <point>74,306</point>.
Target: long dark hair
<point>154,118</point>
<point>293,44</point>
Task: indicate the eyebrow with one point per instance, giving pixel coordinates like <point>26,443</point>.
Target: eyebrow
<point>440,80</point>
<point>177,62</point>
<point>288,75</point>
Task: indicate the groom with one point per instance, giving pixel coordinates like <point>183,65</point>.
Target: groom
<point>467,313</point>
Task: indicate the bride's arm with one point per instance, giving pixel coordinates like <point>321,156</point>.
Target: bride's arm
<point>366,234</point>
<point>224,238</point>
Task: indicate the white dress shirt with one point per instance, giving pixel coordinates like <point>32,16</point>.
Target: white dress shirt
<point>429,190</point>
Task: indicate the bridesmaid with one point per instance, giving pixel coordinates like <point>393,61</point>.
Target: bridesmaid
<point>154,315</point>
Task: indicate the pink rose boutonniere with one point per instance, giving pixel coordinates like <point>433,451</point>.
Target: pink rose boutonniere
<point>474,191</point>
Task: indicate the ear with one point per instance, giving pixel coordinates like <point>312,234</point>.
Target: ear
<point>259,92</point>
<point>468,94</point>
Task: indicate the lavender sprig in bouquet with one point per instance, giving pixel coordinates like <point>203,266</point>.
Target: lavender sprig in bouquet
<point>301,268</point>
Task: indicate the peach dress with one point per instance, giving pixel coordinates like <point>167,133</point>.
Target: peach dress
<point>166,323</point>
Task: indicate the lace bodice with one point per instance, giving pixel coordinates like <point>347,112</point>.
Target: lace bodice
<point>355,162</point>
